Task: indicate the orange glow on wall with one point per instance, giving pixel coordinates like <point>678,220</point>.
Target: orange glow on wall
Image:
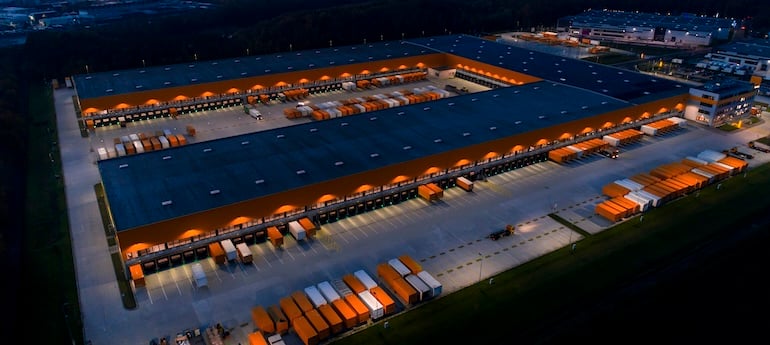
<point>565,136</point>
<point>151,101</point>
<point>586,130</point>
<point>645,115</point>
<point>608,124</point>
<point>239,220</point>
<point>345,75</point>
<point>207,94</point>
<point>542,142</point>
<point>281,83</point>
<point>431,170</point>
<point>384,69</point>
<point>325,77</point>
<point>491,155</point>
<point>462,162</point>
<point>662,110</point>
<point>327,197</point>
<point>233,90</point>
<point>180,98</point>
<point>257,87</point>
<point>517,148</point>
<point>285,208</point>
<point>420,65</point>
<point>402,67</point>
<point>90,110</point>
<point>303,80</point>
<point>680,106</point>
<point>399,178</point>
<point>627,119</point>
<point>121,106</point>
<point>362,188</point>
<point>366,71</point>
<point>137,247</point>
<point>190,233</point>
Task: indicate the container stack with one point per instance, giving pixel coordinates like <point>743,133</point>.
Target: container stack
<point>623,137</point>
<point>665,182</point>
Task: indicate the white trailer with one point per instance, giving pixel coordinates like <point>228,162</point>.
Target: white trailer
<point>102,152</point>
<point>164,142</point>
<point>230,252</point>
<point>133,137</point>
<point>120,149</point>
<point>199,276</point>
<point>328,291</point>
<point>315,296</point>
<point>297,230</point>
<point>365,279</point>
<point>399,267</point>
<point>423,290</point>
<point>138,146</point>
<point>649,130</point>
<point>428,279</point>
<point>376,310</point>
<point>611,140</point>
<point>244,253</point>
<point>711,155</point>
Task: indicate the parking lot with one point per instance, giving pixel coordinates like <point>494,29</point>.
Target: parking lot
<point>449,238</point>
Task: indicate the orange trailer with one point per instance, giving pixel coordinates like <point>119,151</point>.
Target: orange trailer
<point>275,236</point>
<point>388,304</point>
<point>217,252</point>
<point>386,272</point>
<point>319,324</point>
<point>353,283</point>
<point>305,331</point>
<point>289,308</point>
<point>262,320</point>
<point>279,319</point>
<point>412,265</point>
<point>361,310</point>
<point>257,338</point>
<point>302,301</point>
<point>348,315</point>
<point>334,320</point>
<point>404,290</point>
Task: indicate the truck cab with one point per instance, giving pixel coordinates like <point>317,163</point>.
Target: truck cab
<point>610,152</point>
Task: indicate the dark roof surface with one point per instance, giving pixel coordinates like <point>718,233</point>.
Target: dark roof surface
<point>674,22</point>
<point>611,81</point>
<point>138,185</point>
<point>157,77</point>
<point>758,49</point>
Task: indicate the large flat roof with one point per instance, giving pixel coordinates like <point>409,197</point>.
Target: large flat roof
<point>117,82</point>
<point>758,49</point>
<point>681,22</point>
<point>137,186</point>
<point>607,80</point>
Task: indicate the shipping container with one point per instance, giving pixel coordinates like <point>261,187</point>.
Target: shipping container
<point>365,279</point>
<point>191,130</point>
<point>387,272</point>
<point>432,282</point>
<point>279,319</point>
<point>262,320</point>
<point>464,183</point>
<point>331,317</point>
<point>353,283</point>
<point>257,338</point>
<point>346,313</point>
<point>217,253</point>
<point>138,147</point>
<point>319,324</point>
<point>376,310</point>
<point>341,288</point>
<point>164,143</point>
<point>173,141</point>
<point>327,290</point>
<point>315,296</point>
<point>101,153</point>
<point>229,249</point>
<point>290,309</point>
<point>182,140</point>
<point>308,225</point>
<point>120,149</point>
<point>305,331</point>
<point>399,267</point>
<point>361,310</point>
<point>199,275</point>
<point>410,263</point>
<point>156,145</point>
<point>275,236</point>
<point>387,302</point>
<point>244,253</point>
<point>297,230</point>
<point>302,301</point>
<point>275,339</point>
<point>423,290</point>
<point>137,275</point>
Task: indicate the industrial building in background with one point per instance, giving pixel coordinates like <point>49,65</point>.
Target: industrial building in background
<point>680,31</point>
<point>720,102</point>
<point>741,58</point>
<point>354,156</point>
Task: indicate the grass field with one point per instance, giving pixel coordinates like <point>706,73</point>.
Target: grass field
<point>48,277</point>
<point>524,302</point>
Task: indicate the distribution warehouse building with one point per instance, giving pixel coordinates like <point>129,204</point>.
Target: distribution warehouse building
<point>180,199</point>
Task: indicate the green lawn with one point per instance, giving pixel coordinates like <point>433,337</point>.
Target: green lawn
<point>48,277</point>
<point>527,299</point>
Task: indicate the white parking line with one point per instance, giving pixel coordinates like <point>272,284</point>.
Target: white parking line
<point>175,283</point>
<point>161,286</point>
<point>289,253</point>
<point>214,268</point>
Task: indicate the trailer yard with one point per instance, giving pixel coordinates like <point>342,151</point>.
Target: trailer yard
<point>448,237</point>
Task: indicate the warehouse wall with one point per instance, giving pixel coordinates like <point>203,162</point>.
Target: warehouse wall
<point>91,105</point>
<point>175,229</point>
